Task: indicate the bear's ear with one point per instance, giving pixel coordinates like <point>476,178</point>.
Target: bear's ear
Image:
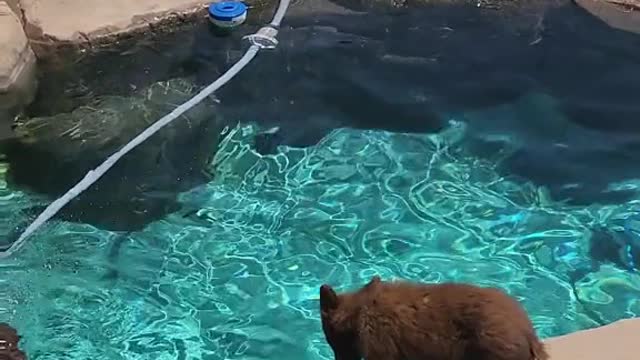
<point>328,298</point>
<point>373,282</point>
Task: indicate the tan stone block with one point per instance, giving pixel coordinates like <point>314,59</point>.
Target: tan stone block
<point>17,61</point>
<point>50,19</point>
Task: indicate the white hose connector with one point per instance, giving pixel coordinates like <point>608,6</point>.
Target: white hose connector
<point>265,38</point>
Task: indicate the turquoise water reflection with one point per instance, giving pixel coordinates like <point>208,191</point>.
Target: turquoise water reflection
<point>234,274</point>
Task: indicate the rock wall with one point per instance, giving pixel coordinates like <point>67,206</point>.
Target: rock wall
<point>17,62</point>
<point>17,67</point>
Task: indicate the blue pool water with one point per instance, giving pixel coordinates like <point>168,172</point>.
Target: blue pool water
<point>232,270</point>
<point>235,274</point>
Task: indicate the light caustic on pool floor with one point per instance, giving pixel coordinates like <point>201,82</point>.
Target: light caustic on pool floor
<point>235,273</point>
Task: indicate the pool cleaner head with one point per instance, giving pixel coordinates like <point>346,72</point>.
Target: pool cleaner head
<point>227,14</point>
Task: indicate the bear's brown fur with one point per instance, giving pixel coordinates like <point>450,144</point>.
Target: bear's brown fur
<point>407,321</point>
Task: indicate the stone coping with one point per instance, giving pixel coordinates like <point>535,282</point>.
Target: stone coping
<point>620,14</point>
<point>102,23</point>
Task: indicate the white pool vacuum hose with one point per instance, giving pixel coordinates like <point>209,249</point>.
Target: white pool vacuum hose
<point>265,38</point>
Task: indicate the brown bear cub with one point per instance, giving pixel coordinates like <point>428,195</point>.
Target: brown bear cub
<point>407,321</point>
<point>9,339</point>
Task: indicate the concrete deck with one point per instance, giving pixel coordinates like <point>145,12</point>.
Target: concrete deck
<point>615,341</point>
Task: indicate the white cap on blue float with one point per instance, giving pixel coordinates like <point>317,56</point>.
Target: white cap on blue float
<point>227,14</point>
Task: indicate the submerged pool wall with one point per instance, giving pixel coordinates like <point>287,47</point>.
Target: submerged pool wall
<point>56,34</point>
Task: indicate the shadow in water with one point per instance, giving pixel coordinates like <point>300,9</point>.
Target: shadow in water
<point>558,86</point>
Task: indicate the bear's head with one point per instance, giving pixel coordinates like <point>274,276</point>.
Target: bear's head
<point>339,314</point>
<point>9,339</point>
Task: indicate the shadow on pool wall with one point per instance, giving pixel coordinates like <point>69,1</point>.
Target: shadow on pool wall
<point>572,77</point>
<point>562,83</point>
<point>405,71</point>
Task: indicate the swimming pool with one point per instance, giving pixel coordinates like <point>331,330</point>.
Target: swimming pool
<point>229,267</point>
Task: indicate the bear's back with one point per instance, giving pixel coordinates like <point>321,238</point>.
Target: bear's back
<point>440,321</point>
